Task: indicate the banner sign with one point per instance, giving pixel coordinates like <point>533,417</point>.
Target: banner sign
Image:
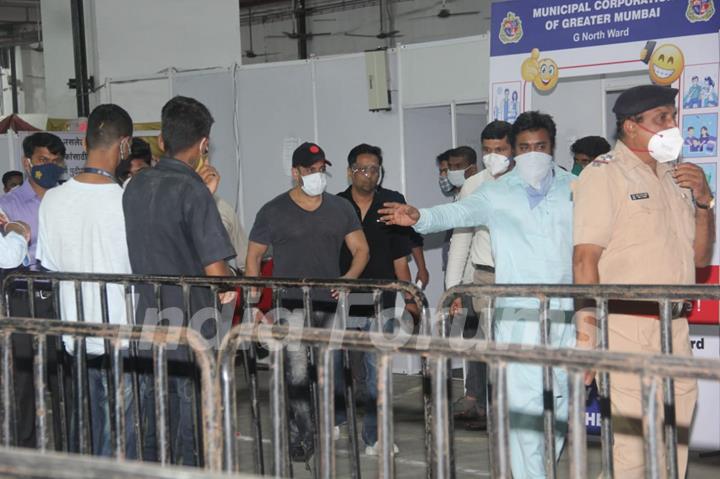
<point>571,24</point>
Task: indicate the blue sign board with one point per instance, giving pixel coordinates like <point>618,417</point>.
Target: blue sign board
<point>518,26</point>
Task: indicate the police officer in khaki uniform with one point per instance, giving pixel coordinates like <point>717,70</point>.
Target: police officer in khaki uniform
<point>642,218</point>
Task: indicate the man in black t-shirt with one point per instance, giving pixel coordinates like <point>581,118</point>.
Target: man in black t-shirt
<point>306,228</point>
<point>390,247</point>
<point>173,228</point>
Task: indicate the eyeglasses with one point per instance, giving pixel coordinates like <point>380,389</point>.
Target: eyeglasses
<point>367,170</point>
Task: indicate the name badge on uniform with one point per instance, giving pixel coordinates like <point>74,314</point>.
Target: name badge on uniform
<point>639,196</point>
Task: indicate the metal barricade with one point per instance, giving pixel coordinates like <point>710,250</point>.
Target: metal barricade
<point>658,376</point>
<point>24,463</point>
<point>116,336</point>
<point>198,353</point>
<point>437,351</point>
<point>322,399</point>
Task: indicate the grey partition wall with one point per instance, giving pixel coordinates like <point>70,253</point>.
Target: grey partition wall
<point>274,104</point>
<point>345,121</point>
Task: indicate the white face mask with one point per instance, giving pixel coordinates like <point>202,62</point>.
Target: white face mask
<point>496,163</point>
<point>666,145</point>
<point>314,184</point>
<point>533,167</point>
<point>456,177</point>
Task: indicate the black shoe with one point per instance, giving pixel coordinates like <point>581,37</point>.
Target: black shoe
<point>301,452</point>
<point>480,424</point>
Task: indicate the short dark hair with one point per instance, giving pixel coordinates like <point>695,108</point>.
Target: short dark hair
<point>496,130</point>
<point>140,150</point>
<point>691,128</point>
<point>464,152</point>
<point>6,177</point>
<point>106,125</point>
<point>533,121</point>
<point>443,156</point>
<point>364,149</point>
<point>592,146</point>
<point>185,121</point>
<point>43,140</point>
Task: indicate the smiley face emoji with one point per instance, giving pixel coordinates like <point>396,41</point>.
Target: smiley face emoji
<point>547,76</point>
<point>666,64</point>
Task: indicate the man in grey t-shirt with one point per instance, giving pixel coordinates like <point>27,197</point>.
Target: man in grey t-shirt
<point>306,228</point>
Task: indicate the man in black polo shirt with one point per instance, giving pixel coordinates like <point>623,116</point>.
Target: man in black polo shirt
<point>173,228</point>
<point>390,247</point>
<point>306,228</point>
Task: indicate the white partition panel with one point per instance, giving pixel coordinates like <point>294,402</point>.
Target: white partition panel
<point>427,134</point>
<point>345,121</point>
<point>275,105</point>
<point>215,89</point>
<point>441,72</point>
<point>142,98</point>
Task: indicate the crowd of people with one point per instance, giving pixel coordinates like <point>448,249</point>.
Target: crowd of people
<point>630,214</point>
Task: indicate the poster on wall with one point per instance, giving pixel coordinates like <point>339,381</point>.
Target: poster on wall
<point>539,45</point>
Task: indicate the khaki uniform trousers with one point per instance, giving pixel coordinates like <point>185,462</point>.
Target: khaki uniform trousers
<point>641,334</point>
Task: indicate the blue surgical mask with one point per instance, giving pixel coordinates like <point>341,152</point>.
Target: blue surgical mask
<point>445,186</point>
<point>46,175</point>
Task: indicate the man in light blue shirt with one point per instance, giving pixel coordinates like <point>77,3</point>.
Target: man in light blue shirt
<point>528,212</point>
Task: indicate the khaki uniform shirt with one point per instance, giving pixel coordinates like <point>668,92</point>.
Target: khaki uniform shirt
<point>645,222</point>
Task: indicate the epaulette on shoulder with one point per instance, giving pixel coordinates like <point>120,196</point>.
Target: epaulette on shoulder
<point>603,160</point>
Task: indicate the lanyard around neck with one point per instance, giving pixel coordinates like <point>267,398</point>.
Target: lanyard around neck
<point>98,171</point>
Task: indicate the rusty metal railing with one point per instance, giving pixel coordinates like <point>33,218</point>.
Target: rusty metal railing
<point>19,463</point>
<point>53,281</point>
<point>35,284</point>
<point>117,336</point>
<point>667,297</point>
<point>322,399</point>
<point>437,351</point>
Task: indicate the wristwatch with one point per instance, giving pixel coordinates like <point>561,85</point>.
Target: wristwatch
<point>708,206</point>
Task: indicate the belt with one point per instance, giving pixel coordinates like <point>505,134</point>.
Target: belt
<point>484,267</point>
<point>680,309</point>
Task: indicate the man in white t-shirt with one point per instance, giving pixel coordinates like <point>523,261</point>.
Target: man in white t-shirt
<point>470,260</point>
<point>82,230</point>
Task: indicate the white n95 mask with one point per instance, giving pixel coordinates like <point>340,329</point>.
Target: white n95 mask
<point>314,184</point>
<point>496,163</point>
<point>533,167</point>
<point>666,145</point>
<point>457,177</point>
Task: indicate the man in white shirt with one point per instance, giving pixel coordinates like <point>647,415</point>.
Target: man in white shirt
<point>470,260</point>
<point>82,229</point>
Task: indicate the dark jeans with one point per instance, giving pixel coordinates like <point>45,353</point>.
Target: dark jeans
<point>476,372</point>
<point>24,387</point>
<point>181,385</point>
<point>98,394</point>
<point>369,364</point>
